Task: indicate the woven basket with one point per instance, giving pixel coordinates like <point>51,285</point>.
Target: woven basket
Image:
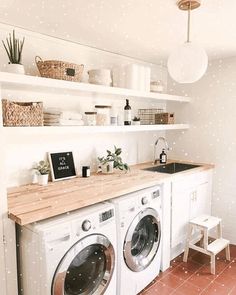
<point>22,113</point>
<point>147,116</point>
<point>61,70</point>
<point>165,118</point>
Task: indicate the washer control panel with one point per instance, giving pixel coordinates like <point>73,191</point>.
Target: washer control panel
<point>106,215</point>
<point>151,195</point>
<point>156,194</point>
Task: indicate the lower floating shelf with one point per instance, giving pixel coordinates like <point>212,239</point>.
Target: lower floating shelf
<point>11,131</point>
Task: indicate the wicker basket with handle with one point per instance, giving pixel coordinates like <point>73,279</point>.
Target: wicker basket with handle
<point>22,113</point>
<point>61,70</point>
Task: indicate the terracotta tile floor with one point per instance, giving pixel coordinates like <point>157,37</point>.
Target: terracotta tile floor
<point>194,277</point>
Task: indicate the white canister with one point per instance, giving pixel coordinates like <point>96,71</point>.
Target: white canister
<point>132,76</point>
<point>103,115</point>
<point>91,118</point>
<point>113,116</point>
<point>157,86</point>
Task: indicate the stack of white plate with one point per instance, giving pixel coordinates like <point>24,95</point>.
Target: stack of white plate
<point>100,77</point>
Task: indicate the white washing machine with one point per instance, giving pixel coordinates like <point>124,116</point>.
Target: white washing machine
<point>139,239</point>
<point>73,254</point>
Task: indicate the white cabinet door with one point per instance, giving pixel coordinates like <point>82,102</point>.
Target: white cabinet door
<point>180,216</point>
<point>191,197</point>
<point>200,201</point>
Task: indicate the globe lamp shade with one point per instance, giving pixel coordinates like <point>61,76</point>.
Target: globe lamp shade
<point>188,63</point>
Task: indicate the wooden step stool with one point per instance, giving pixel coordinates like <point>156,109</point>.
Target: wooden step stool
<point>204,223</point>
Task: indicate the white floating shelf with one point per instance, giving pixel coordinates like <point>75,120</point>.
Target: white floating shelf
<point>54,130</point>
<point>39,84</point>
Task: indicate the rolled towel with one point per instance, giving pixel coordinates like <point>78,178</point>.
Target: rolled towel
<point>67,115</point>
<point>52,111</point>
<point>65,122</point>
<point>51,124</point>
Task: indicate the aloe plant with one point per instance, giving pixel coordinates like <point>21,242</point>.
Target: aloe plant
<point>14,47</point>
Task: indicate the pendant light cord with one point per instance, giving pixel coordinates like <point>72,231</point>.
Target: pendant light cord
<point>189,19</point>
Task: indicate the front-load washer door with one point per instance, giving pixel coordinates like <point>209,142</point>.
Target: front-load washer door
<point>142,240</point>
<point>86,269</point>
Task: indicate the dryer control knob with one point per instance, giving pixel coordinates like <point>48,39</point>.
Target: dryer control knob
<point>86,225</point>
<point>144,200</point>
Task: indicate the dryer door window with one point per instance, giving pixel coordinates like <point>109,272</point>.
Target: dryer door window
<point>86,269</point>
<point>142,240</point>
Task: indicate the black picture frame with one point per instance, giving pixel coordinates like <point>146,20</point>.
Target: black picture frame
<point>62,165</point>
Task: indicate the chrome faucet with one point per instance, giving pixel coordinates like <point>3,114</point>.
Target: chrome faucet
<point>155,146</point>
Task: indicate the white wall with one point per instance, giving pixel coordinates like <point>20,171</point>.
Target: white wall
<point>24,151</point>
<point>212,136</point>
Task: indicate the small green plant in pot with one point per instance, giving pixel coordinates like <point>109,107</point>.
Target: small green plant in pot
<point>43,170</point>
<point>136,121</point>
<point>14,48</point>
<point>113,161</point>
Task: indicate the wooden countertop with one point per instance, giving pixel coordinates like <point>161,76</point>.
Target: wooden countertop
<point>31,203</point>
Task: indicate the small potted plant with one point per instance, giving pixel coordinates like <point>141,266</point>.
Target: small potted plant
<point>14,47</point>
<point>112,161</point>
<point>136,121</point>
<point>42,170</point>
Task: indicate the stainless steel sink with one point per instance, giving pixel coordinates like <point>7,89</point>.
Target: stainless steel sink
<point>171,168</point>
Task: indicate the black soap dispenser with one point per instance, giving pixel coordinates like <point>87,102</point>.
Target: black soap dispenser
<point>163,157</point>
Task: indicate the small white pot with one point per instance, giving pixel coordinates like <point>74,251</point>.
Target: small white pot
<point>15,68</point>
<point>43,179</point>
<point>136,123</point>
<point>108,168</point>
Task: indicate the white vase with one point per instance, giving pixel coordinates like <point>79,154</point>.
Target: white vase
<point>43,179</point>
<point>108,168</point>
<point>15,68</point>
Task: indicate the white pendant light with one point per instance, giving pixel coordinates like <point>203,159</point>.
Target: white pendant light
<point>188,63</point>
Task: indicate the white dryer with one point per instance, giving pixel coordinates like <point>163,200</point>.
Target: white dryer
<point>139,221</point>
<point>72,254</point>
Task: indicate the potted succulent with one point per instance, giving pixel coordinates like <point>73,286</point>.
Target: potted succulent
<point>112,161</point>
<point>136,121</point>
<point>42,170</point>
<point>14,47</point>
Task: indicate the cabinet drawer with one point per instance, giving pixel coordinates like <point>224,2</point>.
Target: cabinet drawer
<point>190,181</point>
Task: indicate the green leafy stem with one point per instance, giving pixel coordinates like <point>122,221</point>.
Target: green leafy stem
<point>115,158</point>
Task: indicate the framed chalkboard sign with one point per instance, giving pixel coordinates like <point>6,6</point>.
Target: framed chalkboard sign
<point>62,165</point>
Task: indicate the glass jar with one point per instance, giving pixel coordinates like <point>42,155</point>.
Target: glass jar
<point>91,118</point>
<point>157,86</point>
<point>103,115</point>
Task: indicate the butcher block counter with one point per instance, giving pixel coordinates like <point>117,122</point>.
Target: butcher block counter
<point>31,203</point>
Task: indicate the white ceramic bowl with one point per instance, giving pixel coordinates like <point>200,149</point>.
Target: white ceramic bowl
<point>100,77</point>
